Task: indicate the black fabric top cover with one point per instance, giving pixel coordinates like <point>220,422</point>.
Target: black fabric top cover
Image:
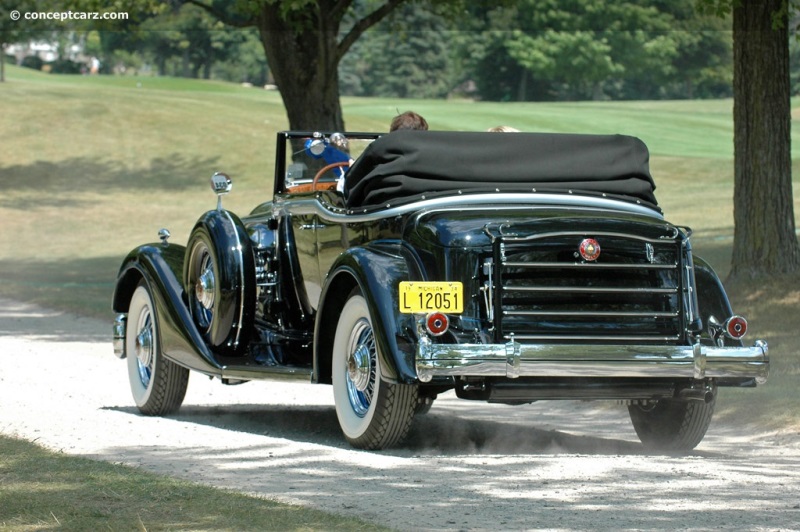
<point>404,165</point>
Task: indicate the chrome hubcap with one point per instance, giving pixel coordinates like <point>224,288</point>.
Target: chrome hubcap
<point>145,346</point>
<point>205,286</point>
<point>358,368</point>
<point>361,367</point>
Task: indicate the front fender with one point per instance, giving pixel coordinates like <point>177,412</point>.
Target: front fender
<point>377,271</point>
<point>161,268</point>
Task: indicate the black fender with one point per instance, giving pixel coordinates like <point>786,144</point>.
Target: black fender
<point>711,296</point>
<point>224,237</point>
<point>160,267</point>
<point>298,311</point>
<point>377,271</point>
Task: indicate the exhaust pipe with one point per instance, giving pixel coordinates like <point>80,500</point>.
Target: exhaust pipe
<point>705,394</point>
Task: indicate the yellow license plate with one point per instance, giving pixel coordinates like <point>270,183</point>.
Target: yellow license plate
<point>424,297</point>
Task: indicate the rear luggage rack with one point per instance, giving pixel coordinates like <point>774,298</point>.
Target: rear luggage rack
<point>539,288</point>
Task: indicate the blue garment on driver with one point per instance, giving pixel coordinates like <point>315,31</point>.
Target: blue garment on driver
<point>330,154</point>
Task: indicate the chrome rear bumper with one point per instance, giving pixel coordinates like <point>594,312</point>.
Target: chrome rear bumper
<point>514,360</point>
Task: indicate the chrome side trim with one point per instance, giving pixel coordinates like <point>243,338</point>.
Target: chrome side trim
<point>476,201</point>
<point>120,324</point>
<point>512,360</point>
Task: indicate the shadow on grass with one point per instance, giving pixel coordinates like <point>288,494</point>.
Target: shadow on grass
<point>57,181</point>
<point>80,286</point>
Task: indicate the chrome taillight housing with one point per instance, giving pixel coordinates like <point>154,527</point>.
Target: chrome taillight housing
<point>734,328</point>
<point>437,323</point>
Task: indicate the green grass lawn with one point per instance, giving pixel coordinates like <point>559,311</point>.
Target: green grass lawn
<point>46,490</point>
<point>92,166</point>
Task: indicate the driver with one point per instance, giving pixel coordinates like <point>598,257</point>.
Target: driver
<point>334,149</point>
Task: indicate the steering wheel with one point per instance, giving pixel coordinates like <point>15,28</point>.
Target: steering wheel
<point>325,169</point>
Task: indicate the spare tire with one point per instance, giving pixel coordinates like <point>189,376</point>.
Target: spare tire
<point>219,278</point>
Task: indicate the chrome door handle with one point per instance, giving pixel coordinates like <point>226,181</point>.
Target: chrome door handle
<point>306,227</point>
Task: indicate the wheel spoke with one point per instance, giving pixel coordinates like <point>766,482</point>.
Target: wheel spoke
<point>144,346</point>
<point>360,367</point>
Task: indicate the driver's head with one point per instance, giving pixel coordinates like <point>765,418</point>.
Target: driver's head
<point>408,120</point>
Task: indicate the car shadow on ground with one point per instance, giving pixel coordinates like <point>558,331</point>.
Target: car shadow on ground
<point>436,433</point>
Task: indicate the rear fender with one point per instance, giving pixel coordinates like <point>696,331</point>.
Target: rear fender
<point>160,267</point>
<point>711,297</point>
<point>377,271</point>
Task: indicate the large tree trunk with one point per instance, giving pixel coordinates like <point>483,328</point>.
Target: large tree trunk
<point>304,62</point>
<point>765,241</point>
<point>301,42</point>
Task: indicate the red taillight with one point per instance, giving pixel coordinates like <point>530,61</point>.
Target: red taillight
<point>736,327</point>
<point>437,323</point>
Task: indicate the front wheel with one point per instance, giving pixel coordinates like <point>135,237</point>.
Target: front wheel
<point>157,384</point>
<point>671,425</point>
<point>372,414</point>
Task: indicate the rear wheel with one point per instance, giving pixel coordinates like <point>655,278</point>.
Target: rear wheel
<point>670,425</point>
<point>157,384</point>
<point>372,414</point>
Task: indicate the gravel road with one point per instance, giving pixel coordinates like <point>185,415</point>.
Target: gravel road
<point>466,466</point>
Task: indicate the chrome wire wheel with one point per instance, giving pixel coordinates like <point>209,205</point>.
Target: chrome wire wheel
<point>372,413</point>
<point>158,385</point>
<point>360,367</point>
<point>202,284</point>
<point>144,345</point>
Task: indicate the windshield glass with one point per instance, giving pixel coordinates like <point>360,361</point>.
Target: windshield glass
<point>319,161</point>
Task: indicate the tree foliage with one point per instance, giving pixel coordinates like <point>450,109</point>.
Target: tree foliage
<point>409,55</point>
<point>577,49</point>
<point>14,31</point>
<point>526,50</point>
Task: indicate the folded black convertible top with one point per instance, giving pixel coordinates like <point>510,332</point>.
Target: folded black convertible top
<point>404,165</point>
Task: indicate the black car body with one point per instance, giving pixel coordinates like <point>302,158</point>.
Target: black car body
<point>508,267</point>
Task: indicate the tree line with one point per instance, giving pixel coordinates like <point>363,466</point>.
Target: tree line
<point>530,50</point>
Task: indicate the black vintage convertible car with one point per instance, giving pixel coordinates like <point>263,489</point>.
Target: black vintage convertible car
<point>509,268</point>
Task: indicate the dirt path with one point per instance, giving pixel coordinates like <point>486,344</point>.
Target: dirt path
<point>466,466</point>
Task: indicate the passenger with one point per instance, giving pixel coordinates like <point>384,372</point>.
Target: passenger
<point>502,129</point>
<point>408,120</point>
